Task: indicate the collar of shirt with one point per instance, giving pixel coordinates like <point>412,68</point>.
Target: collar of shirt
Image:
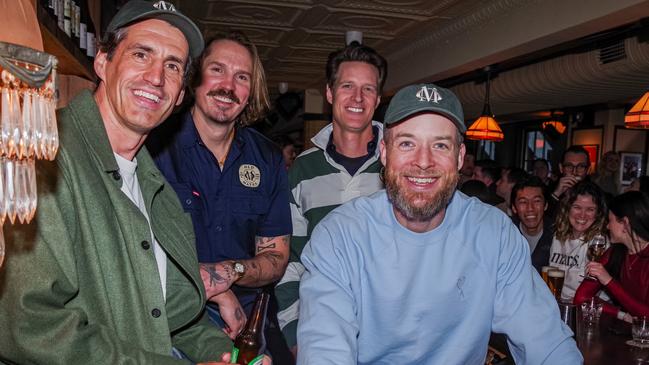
<point>352,164</point>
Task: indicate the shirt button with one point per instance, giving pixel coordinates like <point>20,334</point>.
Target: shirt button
<point>145,245</point>
<point>188,202</point>
<point>218,228</point>
<point>116,175</point>
<point>156,313</point>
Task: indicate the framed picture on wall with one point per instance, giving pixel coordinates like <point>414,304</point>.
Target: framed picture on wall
<point>593,155</point>
<point>630,166</point>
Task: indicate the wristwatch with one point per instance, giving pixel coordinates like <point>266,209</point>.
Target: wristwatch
<point>239,269</point>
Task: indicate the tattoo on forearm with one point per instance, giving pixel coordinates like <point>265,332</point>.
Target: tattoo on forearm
<point>274,258</point>
<point>261,247</point>
<point>215,277</point>
<point>238,314</point>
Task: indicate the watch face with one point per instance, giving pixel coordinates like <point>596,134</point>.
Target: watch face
<point>239,268</point>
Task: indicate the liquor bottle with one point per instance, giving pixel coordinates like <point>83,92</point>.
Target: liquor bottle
<point>67,21</point>
<point>74,10</point>
<point>50,6</point>
<point>90,35</point>
<point>250,344</point>
<point>83,19</point>
<point>59,14</point>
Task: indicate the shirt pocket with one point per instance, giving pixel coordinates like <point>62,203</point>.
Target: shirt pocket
<point>189,198</point>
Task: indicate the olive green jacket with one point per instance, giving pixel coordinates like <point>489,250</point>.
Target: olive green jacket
<point>80,284</point>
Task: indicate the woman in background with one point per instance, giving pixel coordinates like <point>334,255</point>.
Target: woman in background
<point>623,271</point>
<point>581,216</point>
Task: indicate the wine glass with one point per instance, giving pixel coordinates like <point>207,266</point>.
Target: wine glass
<point>596,248</point>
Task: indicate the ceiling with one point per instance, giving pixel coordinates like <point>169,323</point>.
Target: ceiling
<point>445,40</point>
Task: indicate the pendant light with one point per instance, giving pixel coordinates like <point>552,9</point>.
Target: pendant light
<point>485,128</point>
<point>638,115</point>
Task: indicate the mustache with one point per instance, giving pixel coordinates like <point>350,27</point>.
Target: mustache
<point>226,93</point>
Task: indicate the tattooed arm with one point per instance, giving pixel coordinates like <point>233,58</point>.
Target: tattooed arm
<point>267,266</point>
<point>269,263</point>
<point>231,313</point>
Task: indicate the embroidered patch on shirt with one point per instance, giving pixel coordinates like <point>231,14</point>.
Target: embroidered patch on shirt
<point>249,175</point>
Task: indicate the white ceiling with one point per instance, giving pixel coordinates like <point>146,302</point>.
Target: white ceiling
<point>436,40</point>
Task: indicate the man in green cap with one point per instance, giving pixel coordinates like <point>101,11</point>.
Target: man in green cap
<point>108,273</point>
<point>420,273</point>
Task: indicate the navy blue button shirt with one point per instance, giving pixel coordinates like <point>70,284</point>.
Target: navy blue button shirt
<point>249,198</point>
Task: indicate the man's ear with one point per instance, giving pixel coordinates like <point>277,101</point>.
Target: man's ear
<point>382,151</point>
<point>180,97</point>
<point>330,96</point>
<point>100,64</point>
<point>460,157</point>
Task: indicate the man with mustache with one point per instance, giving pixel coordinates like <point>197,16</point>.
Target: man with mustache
<point>231,180</point>
<point>420,273</point>
<point>343,163</point>
<point>107,272</point>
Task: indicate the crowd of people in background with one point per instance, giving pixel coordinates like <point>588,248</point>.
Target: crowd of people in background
<point>559,215</point>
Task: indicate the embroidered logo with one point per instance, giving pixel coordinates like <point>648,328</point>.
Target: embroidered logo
<point>429,94</point>
<point>163,5</point>
<point>249,175</point>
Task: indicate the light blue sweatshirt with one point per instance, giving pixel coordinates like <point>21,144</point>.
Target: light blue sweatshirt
<point>377,293</point>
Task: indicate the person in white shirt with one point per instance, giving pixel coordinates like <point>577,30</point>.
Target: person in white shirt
<point>581,216</point>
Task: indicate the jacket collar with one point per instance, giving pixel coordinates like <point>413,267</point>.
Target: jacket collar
<point>88,118</point>
<point>321,139</point>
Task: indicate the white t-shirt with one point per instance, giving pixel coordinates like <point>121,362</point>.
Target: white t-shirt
<point>570,256</point>
<point>131,187</point>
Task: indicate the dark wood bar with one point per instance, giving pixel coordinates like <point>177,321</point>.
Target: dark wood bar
<point>606,343</point>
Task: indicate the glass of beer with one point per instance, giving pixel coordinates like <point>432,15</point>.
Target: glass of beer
<point>555,281</point>
<point>544,272</point>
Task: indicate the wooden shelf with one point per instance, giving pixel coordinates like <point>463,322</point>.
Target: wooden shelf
<point>72,59</point>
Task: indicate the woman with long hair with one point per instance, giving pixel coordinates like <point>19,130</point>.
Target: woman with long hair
<point>628,283</point>
<point>581,216</point>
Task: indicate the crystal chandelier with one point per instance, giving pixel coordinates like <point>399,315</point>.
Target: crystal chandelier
<point>27,128</point>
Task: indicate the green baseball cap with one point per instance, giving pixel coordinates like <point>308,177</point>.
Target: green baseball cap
<point>138,10</point>
<point>419,98</point>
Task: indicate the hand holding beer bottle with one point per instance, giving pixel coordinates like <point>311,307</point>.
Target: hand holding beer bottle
<point>250,344</point>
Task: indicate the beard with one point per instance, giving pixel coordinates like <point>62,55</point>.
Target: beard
<point>420,206</point>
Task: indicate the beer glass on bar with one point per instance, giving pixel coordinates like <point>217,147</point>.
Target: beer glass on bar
<point>555,282</point>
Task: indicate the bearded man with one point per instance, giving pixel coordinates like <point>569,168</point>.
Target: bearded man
<point>420,273</point>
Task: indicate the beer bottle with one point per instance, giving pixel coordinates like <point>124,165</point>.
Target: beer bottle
<point>250,344</point>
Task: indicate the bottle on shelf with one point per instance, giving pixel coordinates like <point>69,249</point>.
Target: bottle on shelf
<point>67,20</point>
<point>59,14</point>
<point>90,35</point>
<point>83,19</point>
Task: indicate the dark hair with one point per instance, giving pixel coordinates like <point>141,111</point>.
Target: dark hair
<point>516,175</point>
<point>542,160</point>
<point>644,184</point>
<point>481,191</point>
<point>562,223</point>
<point>359,53</point>
<point>109,42</point>
<point>490,168</point>
<point>575,149</point>
<point>634,205</point>
<point>529,182</point>
<point>283,140</point>
<point>258,101</point>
